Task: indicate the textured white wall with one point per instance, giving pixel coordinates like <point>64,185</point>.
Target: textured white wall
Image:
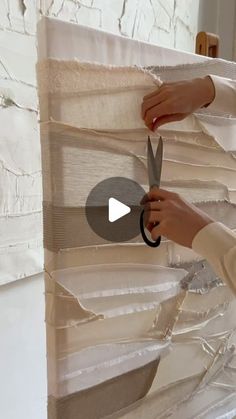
<point>171,23</point>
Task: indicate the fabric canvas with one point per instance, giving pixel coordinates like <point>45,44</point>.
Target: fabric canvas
<point>117,309</point>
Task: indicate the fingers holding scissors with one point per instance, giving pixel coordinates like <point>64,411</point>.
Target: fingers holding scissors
<point>156,194</point>
<point>156,231</point>
<point>153,212</point>
<point>157,219</point>
<point>173,217</point>
<point>156,203</point>
<point>153,218</point>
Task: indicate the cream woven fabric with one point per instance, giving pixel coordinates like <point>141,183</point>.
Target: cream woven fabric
<point>113,309</point>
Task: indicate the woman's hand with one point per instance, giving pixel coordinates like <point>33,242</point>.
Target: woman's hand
<point>178,220</point>
<point>174,101</point>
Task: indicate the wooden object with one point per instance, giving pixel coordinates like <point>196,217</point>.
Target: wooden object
<point>207,44</point>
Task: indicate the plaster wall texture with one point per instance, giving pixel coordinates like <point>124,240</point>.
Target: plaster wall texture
<point>169,23</point>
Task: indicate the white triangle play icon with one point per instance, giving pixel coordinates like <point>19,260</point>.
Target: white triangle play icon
<point>117,210</point>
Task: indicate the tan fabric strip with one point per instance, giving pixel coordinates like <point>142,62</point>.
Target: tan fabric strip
<point>106,398</point>
<point>66,227</point>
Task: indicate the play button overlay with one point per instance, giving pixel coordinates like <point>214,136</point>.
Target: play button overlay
<point>113,209</point>
<point>117,210</point>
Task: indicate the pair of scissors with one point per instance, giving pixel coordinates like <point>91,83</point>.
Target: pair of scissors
<point>154,164</point>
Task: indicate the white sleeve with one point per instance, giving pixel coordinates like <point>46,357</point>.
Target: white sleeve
<point>217,244</point>
<point>225,95</point>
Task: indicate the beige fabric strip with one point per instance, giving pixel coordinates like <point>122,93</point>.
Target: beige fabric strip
<point>67,227</point>
<point>73,154</point>
<point>93,402</point>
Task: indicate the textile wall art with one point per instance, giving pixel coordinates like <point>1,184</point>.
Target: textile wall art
<point>132,332</point>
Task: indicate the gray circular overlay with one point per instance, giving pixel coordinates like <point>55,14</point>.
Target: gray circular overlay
<point>123,190</point>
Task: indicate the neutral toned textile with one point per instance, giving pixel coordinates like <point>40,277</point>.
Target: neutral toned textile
<point>115,318</point>
<point>215,242</point>
<point>218,245</point>
<point>99,401</point>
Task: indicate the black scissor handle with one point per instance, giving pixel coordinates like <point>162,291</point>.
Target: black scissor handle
<point>145,239</point>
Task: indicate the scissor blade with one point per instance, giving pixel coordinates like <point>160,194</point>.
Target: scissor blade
<point>155,163</point>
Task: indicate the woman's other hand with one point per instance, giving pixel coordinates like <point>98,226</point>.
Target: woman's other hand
<point>175,101</point>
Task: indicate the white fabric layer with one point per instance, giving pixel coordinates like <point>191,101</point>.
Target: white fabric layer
<point>92,366</point>
<point>61,79</point>
<point>65,41</point>
<point>218,245</point>
<point>86,314</point>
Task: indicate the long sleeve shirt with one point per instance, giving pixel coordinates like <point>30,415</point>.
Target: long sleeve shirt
<point>215,242</point>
